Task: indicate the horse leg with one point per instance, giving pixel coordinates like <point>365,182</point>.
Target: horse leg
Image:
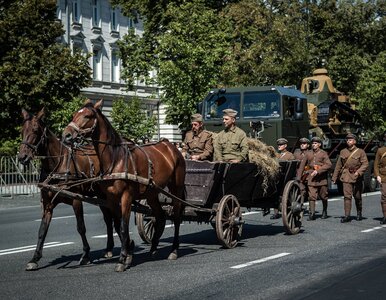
<point>107,217</point>
<point>47,210</point>
<point>177,219</point>
<point>126,255</point>
<point>160,221</point>
<point>81,227</point>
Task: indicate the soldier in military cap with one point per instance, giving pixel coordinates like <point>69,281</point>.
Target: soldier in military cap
<point>349,169</point>
<point>198,143</point>
<point>380,174</point>
<point>318,164</point>
<point>283,154</point>
<point>230,144</point>
<point>304,147</point>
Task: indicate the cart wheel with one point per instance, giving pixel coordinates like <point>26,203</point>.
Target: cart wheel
<point>145,225</point>
<point>292,207</point>
<point>228,221</point>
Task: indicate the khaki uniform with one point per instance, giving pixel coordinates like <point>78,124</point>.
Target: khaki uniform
<point>200,144</point>
<point>352,184</point>
<point>285,155</point>
<point>231,144</point>
<point>380,170</point>
<point>317,186</point>
<point>299,155</point>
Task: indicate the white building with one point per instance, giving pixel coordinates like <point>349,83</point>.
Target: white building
<point>94,26</point>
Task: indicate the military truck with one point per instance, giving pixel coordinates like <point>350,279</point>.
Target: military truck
<point>270,112</point>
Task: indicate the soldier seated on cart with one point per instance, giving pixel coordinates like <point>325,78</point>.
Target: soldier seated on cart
<point>231,145</point>
<point>198,143</point>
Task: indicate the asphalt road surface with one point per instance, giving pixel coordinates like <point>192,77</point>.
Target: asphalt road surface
<point>327,260</point>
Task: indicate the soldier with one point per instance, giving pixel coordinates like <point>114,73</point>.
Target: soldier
<point>198,143</point>
<point>350,167</point>
<point>283,154</point>
<point>299,155</point>
<point>318,164</point>
<point>304,147</point>
<point>230,145</point>
<point>380,174</point>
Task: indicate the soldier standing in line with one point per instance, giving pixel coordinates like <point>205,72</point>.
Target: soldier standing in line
<point>283,154</point>
<point>198,143</point>
<point>350,167</point>
<point>318,164</point>
<point>299,155</point>
<point>380,174</point>
<point>230,144</point>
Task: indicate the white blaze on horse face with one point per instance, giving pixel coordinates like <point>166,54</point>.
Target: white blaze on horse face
<point>81,110</point>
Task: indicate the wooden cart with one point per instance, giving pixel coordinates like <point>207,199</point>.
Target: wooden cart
<point>216,192</point>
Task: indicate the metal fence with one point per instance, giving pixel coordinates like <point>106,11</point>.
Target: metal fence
<point>17,179</point>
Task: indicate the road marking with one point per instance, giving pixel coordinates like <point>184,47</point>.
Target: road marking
<point>57,218</point>
<point>364,195</point>
<point>259,261</point>
<point>32,248</point>
<point>103,236</point>
<point>374,228</point>
<point>250,213</point>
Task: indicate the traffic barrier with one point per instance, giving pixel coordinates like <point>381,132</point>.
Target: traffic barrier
<point>17,179</point>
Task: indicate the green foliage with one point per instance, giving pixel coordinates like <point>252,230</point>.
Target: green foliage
<point>131,121</point>
<point>9,147</point>
<point>371,94</point>
<point>35,70</point>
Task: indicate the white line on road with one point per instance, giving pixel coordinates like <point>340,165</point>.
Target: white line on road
<point>374,228</point>
<point>103,236</point>
<point>23,247</point>
<point>364,195</point>
<point>250,213</point>
<point>259,261</point>
<point>32,248</point>
<point>57,218</point>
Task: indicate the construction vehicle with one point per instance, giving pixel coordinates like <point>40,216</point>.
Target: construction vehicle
<point>271,112</point>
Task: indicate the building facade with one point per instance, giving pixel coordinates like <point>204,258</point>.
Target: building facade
<point>94,27</point>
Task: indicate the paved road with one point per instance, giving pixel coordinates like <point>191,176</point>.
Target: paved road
<point>327,260</point>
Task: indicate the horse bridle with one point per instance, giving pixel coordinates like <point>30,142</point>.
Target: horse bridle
<point>35,148</point>
<point>82,132</point>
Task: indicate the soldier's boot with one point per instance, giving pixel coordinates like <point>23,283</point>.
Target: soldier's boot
<point>311,216</point>
<point>347,211</point>
<point>276,214</point>
<point>383,221</point>
<point>358,204</point>
<point>324,213</point>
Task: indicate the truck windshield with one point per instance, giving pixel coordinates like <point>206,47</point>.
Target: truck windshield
<point>215,106</point>
<point>261,104</point>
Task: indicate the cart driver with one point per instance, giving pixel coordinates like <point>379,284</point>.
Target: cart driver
<point>231,145</point>
<point>198,143</point>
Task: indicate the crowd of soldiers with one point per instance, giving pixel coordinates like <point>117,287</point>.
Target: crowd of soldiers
<point>230,145</point>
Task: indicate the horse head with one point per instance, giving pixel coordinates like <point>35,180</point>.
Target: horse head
<point>33,135</point>
<point>83,123</point>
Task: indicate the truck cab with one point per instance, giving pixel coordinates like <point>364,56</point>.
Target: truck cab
<point>264,112</point>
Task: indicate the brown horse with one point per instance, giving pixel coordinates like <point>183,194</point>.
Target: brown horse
<point>57,158</point>
<point>161,162</point>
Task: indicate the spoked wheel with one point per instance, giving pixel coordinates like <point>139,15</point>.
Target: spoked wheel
<point>145,225</point>
<point>228,221</point>
<point>292,207</point>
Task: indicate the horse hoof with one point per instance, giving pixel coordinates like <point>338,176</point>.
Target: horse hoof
<point>153,254</point>
<point>108,254</point>
<point>31,266</point>
<point>120,268</point>
<point>128,261</point>
<point>172,256</point>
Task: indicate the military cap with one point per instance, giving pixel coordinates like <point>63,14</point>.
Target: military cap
<point>196,118</point>
<point>304,141</point>
<point>351,136</point>
<point>316,139</point>
<point>230,112</point>
<point>282,141</point>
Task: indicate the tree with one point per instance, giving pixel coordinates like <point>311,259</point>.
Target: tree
<point>371,94</point>
<point>35,70</point>
<point>188,56</point>
<point>131,121</point>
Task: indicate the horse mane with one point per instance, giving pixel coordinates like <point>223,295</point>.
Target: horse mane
<point>115,137</point>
